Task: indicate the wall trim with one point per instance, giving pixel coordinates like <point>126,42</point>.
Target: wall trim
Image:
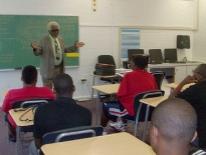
<point>143,27</point>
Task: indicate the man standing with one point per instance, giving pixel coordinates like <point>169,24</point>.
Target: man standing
<point>51,50</point>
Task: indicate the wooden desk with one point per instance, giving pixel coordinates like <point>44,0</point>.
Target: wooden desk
<point>28,116</point>
<point>174,85</point>
<point>107,89</point>
<point>20,126</point>
<point>154,101</point>
<point>114,144</point>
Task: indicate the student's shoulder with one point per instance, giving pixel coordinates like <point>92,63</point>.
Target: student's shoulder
<point>14,91</point>
<point>83,109</point>
<point>44,89</point>
<point>87,112</point>
<point>50,103</point>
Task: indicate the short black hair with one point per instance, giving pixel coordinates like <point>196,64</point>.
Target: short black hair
<point>175,119</point>
<point>140,61</point>
<point>63,84</point>
<point>29,74</point>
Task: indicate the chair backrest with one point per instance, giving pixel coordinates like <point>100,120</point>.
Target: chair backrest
<point>72,134</point>
<point>132,52</point>
<point>170,55</point>
<point>159,77</point>
<point>29,103</point>
<point>147,94</point>
<point>106,59</point>
<point>155,56</point>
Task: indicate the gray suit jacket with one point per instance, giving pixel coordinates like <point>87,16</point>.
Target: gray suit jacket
<point>47,57</point>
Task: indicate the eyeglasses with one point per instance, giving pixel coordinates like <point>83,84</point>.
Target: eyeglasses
<point>55,30</point>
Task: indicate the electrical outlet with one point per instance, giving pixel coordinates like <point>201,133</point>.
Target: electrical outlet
<point>83,80</point>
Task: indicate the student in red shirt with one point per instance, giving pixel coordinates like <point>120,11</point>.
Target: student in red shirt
<point>27,92</point>
<point>133,83</point>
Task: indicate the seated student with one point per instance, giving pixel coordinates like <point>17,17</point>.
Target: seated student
<point>27,92</point>
<point>196,96</point>
<point>133,83</point>
<point>63,113</point>
<point>173,127</point>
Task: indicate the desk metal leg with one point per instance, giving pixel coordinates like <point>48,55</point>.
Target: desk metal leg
<point>18,141</point>
<point>146,122</point>
<point>137,119</point>
<point>98,110</point>
<point>93,83</point>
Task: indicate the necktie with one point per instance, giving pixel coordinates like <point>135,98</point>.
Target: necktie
<point>56,50</point>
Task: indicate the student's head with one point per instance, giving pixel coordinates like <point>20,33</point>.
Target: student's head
<point>29,75</point>
<point>139,61</point>
<point>173,124</point>
<point>63,85</point>
<point>200,72</point>
<point>53,28</point>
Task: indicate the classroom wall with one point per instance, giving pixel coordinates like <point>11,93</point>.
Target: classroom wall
<point>160,21</point>
<point>200,35</point>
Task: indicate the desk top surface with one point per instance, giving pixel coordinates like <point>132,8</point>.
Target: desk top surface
<point>154,101</point>
<point>22,117</point>
<point>107,89</point>
<point>113,144</point>
<point>174,85</point>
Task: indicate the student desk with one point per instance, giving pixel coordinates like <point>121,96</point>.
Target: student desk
<point>174,85</point>
<point>100,76</point>
<point>150,102</point>
<point>24,121</point>
<point>113,144</point>
<point>108,89</point>
<point>27,116</point>
<point>153,101</point>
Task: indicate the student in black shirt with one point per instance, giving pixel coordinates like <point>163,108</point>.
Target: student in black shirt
<point>173,127</point>
<point>62,113</point>
<point>196,96</point>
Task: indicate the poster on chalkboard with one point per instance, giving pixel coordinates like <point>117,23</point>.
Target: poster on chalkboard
<point>18,31</point>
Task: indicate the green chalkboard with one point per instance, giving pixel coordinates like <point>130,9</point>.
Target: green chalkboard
<point>18,31</point>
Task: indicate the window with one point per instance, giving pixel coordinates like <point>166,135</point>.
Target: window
<point>130,39</point>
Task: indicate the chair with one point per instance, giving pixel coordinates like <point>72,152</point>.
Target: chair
<point>72,134</point>
<point>132,52</point>
<point>159,77</point>
<point>106,59</point>
<point>170,55</point>
<point>107,69</point>
<point>108,74</point>
<point>143,109</point>
<point>29,103</point>
<point>155,56</point>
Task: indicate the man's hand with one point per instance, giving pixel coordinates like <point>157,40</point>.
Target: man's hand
<point>188,79</point>
<point>79,44</point>
<point>35,46</point>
